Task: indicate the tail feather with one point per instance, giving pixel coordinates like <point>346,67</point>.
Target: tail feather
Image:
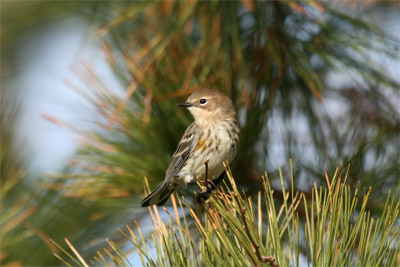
<point>159,196</point>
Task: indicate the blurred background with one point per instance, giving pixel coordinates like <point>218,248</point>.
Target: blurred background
<point>88,94</point>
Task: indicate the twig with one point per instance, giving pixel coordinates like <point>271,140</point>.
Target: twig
<point>263,259</point>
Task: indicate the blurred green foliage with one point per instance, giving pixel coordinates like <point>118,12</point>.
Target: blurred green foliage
<point>271,57</point>
<point>13,211</point>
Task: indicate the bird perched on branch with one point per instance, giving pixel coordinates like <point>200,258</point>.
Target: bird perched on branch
<point>210,140</point>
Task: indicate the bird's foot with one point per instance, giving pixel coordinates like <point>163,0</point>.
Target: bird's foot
<point>204,195</point>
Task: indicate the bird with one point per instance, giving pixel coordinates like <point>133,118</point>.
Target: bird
<point>210,140</point>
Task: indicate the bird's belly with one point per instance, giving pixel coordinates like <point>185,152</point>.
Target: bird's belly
<point>216,152</point>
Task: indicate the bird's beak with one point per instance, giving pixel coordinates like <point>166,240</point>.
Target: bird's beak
<point>184,105</point>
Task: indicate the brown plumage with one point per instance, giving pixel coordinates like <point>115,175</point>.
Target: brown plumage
<point>213,136</point>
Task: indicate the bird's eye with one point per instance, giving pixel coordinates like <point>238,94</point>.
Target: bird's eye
<point>203,101</point>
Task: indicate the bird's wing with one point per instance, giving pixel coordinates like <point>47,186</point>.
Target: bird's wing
<point>185,146</point>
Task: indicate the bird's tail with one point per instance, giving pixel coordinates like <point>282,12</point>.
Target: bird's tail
<point>159,195</point>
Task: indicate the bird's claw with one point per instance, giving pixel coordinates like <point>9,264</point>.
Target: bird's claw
<point>205,194</point>
<point>202,197</point>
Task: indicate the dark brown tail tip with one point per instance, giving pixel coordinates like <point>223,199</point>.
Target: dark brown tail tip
<point>144,204</point>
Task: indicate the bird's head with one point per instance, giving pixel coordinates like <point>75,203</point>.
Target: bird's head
<point>208,104</point>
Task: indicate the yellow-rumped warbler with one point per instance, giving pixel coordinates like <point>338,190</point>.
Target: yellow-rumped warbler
<point>213,136</point>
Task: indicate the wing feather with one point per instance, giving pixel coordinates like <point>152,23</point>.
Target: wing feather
<point>185,146</point>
